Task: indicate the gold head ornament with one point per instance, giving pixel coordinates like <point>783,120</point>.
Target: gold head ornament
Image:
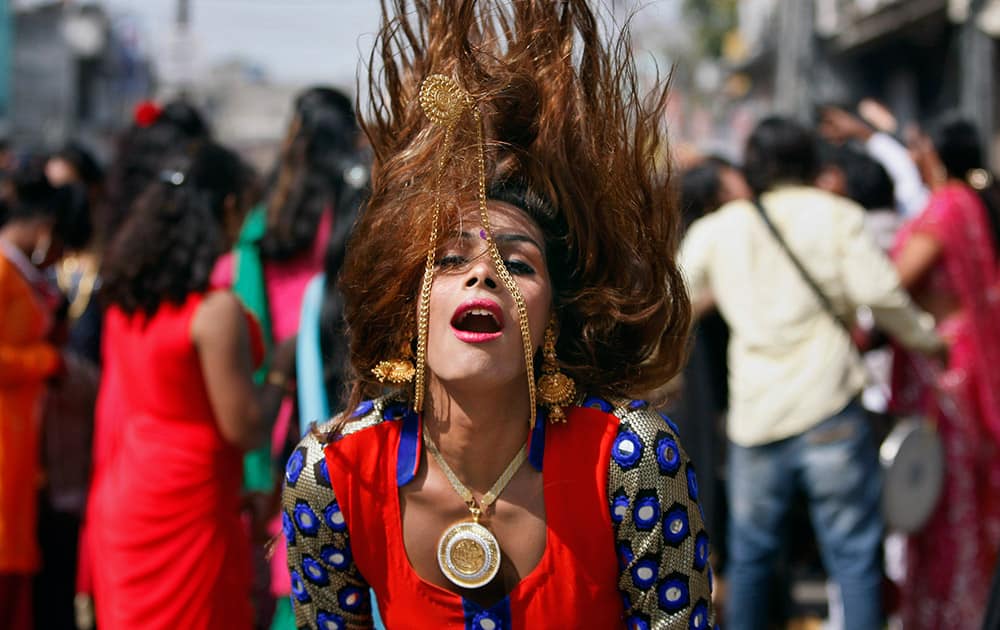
<point>445,102</point>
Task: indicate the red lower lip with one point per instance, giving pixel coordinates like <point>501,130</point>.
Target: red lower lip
<point>475,337</point>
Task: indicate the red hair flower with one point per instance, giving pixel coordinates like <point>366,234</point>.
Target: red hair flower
<point>146,113</point>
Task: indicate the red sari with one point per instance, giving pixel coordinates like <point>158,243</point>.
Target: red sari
<point>949,564</point>
<point>168,546</point>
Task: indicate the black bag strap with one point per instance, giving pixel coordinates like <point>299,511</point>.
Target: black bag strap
<point>824,301</point>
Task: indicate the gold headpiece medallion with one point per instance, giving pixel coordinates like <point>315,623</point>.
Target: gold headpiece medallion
<point>444,102</point>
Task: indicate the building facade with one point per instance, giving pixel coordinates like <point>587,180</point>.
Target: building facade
<point>73,74</point>
<point>921,58</point>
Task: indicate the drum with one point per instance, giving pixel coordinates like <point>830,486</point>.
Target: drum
<point>913,464</point>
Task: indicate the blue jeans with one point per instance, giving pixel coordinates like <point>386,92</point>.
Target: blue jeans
<point>836,466</point>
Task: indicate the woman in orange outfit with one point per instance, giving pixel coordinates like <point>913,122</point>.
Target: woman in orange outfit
<point>29,241</point>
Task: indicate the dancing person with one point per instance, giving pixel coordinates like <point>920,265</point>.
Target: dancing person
<point>176,408</point>
<point>794,420</point>
<point>949,259</point>
<point>322,370</point>
<point>519,224</point>
<point>322,365</point>
<point>701,407</point>
<point>851,173</point>
<point>32,228</point>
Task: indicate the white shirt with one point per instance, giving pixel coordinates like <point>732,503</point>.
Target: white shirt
<point>790,364</point>
<point>910,193</point>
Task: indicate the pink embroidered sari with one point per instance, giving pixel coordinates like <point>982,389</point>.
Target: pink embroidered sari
<point>950,563</point>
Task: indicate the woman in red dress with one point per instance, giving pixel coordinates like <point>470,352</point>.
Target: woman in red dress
<point>520,227</point>
<point>948,259</point>
<point>176,409</point>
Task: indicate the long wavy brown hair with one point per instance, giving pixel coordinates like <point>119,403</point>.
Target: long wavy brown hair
<point>569,139</point>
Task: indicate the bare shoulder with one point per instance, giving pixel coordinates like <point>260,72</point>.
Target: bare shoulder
<point>219,313</point>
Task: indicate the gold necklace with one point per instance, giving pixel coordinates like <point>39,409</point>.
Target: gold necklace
<point>468,553</point>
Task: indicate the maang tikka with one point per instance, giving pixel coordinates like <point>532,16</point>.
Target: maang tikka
<point>468,553</point>
<point>444,102</point>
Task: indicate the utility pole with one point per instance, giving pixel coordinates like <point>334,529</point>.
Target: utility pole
<point>6,61</point>
<point>183,14</point>
<point>978,96</point>
<point>795,58</point>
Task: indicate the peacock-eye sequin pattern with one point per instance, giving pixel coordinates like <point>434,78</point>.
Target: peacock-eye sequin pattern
<point>662,546</point>
<point>328,591</point>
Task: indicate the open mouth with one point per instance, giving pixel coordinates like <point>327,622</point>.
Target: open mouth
<point>479,320</point>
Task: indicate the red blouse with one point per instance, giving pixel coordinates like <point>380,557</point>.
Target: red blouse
<point>625,543</point>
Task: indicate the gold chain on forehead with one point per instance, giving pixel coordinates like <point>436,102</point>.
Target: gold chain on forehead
<point>444,102</point>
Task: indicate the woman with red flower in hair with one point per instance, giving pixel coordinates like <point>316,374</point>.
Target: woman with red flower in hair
<point>156,132</point>
<point>176,408</point>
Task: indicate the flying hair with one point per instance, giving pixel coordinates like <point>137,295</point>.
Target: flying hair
<point>569,139</point>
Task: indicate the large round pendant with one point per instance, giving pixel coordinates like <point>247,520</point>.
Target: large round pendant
<point>468,554</point>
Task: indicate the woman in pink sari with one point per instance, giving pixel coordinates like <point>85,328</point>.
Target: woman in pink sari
<point>948,259</point>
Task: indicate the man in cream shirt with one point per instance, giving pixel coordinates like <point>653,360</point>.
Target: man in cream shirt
<point>794,376</point>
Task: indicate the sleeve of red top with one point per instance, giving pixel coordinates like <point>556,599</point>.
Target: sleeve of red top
<point>665,578</point>
<point>328,590</point>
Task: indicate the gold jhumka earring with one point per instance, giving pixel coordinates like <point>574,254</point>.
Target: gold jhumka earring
<point>555,389</point>
<point>396,371</point>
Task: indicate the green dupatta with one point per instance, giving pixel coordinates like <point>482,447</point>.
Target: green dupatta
<point>250,287</point>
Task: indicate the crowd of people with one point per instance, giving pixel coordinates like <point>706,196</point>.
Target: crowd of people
<point>149,315</point>
<point>856,279</point>
<point>418,374</point>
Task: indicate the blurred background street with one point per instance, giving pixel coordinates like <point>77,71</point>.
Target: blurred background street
<point>75,69</point>
<point>83,83</point>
